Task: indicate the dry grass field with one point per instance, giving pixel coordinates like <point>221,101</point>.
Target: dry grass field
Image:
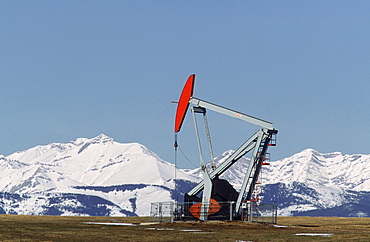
<point>56,228</point>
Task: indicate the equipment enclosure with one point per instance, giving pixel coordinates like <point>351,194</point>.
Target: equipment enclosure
<point>251,212</point>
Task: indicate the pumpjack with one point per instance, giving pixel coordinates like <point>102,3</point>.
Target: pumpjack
<point>212,190</point>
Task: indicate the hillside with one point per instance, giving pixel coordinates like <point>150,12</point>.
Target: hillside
<point>102,177</point>
<point>86,176</point>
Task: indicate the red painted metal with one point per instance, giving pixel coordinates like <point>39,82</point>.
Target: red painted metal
<point>213,208</point>
<point>183,104</point>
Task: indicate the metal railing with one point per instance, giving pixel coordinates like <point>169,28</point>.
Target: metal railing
<point>259,212</point>
<point>162,212</point>
<point>250,211</point>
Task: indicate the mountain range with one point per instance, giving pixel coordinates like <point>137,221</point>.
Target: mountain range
<point>102,177</point>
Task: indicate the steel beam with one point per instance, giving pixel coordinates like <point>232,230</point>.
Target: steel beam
<point>229,112</point>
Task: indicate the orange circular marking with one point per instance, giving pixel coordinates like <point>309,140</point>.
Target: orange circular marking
<point>213,208</point>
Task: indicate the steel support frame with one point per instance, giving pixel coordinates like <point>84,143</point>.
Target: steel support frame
<point>207,188</point>
<point>257,141</point>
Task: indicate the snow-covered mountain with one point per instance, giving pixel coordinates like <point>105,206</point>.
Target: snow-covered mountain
<point>86,176</point>
<point>311,183</point>
<point>99,176</point>
<point>96,162</point>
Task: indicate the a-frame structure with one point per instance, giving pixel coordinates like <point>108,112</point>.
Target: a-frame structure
<point>214,189</point>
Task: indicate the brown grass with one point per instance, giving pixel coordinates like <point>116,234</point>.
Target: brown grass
<point>56,228</point>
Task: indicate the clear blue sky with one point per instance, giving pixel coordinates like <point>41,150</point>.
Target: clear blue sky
<point>74,69</point>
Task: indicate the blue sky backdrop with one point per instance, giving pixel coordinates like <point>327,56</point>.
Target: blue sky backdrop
<point>73,69</point>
